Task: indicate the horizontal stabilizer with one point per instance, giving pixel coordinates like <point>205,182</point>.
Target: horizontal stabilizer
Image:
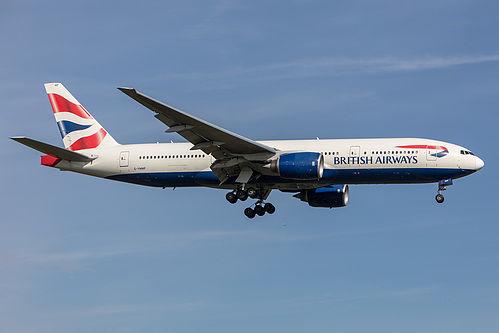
<point>55,151</point>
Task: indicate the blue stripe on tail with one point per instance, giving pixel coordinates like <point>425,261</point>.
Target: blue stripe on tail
<point>66,127</point>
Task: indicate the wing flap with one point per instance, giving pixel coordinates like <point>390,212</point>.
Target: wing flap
<point>55,151</point>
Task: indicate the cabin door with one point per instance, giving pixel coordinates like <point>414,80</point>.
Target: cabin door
<point>431,153</point>
<point>124,158</point>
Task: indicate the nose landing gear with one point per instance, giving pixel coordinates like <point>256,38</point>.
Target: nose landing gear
<point>441,187</point>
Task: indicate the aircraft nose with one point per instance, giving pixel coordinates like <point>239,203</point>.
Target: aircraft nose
<point>479,163</point>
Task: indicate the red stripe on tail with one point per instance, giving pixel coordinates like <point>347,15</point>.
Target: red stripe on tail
<point>60,104</point>
<point>89,142</point>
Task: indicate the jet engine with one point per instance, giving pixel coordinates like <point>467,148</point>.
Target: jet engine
<point>300,166</point>
<point>327,196</point>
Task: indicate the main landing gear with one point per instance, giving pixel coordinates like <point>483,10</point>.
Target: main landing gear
<point>441,187</point>
<point>260,208</point>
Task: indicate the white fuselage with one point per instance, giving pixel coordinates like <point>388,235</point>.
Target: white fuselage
<point>346,161</point>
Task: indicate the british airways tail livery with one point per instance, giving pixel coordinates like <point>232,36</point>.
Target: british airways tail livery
<point>79,130</point>
<point>317,171</point>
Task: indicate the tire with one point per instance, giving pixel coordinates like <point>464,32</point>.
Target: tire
<point>269,208</point>
<point>439,198</point>
<point>259,210</point>
<point>242,195</point>
<point>250,213</point>
<point>231,197</point>
<point>252,193</point>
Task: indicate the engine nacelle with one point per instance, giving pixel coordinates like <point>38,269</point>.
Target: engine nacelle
<point>328,196</point>
<point>300,166</point>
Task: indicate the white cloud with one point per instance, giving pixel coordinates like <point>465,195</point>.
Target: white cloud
<point>327,67</point>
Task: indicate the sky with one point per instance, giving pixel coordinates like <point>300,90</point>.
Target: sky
<point>84,254</point>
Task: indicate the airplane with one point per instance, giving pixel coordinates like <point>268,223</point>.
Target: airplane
<point>316,171</point>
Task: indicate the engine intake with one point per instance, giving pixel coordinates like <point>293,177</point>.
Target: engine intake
<point>300,166</point>
<point>327,196</point>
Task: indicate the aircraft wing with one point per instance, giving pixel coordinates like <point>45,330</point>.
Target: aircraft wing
<point>204,136</point>
<point>49,149</point>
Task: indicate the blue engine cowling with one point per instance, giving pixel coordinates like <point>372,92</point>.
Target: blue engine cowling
<point>300,166</point>
<point>327,196</point>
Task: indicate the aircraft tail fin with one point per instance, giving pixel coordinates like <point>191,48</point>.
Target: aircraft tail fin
<point>79,130</point>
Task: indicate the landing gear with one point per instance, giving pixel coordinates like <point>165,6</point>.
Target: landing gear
<point>269,208</point>
<point>260,208</point>
<point>252,193</point>
<point>441,187</point>
<point>231,197</point>
<point>249,212</point>
<point>242,194</point>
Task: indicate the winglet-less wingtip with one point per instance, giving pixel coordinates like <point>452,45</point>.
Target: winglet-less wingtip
<point>126,89</point>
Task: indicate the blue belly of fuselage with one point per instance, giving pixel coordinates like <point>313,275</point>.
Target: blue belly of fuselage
<point>330,176</point>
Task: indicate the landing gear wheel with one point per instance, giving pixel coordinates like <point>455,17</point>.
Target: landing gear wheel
<point>252,193</point>
<point>259,210</point>
<point>242,195</point>
<point>231,197</point>
<point>249,212</point>
<point>269,208</point>
<point>439,198</point>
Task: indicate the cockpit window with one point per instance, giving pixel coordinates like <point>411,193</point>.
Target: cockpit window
<point>466,152</point>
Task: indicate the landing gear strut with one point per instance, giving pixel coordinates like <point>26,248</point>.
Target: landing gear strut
<point>441,187</point>
<point>260,207</point>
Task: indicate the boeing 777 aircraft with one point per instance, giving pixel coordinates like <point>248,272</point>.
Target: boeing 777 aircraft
<point>317,171</point>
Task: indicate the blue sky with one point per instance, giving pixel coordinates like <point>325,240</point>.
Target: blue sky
<point>84,254</point>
